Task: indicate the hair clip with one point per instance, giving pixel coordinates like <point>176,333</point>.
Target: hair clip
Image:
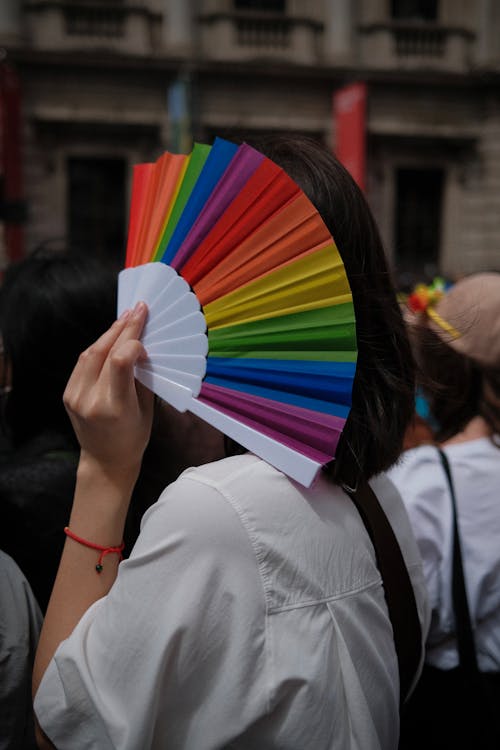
<point>425,297</point>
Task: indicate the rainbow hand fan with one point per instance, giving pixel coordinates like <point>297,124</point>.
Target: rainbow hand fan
<point>251,322</point>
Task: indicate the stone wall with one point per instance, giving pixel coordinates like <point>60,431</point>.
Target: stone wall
<point>81,97</point>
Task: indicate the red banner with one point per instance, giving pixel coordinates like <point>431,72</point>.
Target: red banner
<point>349,112</point>
<point>10,162</point>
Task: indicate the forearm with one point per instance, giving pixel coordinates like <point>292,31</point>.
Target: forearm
<point>98,515</point>
<point>112,416</point>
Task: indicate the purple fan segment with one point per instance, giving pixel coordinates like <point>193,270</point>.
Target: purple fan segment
<point>311,433</point>
<point>240,169</point>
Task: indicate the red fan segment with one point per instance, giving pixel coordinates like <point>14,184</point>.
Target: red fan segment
<point>264,194</point>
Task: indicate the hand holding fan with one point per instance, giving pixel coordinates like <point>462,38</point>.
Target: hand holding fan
<point>251,323</point>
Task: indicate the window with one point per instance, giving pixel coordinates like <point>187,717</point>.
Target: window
<point>96,207</point>
<point>418,221</point>
<point>100,20</point>
<point>414,10</point>
<point>271,6</point>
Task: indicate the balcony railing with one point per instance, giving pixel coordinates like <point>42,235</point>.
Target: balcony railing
<point>251,34</point>
<point>263,33</point>
<point>94,21</point>
<point>412,44</point>
<point>424,41</point>
<point>111,25</point>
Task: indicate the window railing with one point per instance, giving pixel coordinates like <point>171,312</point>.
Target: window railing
<point>112,25</point>
<point>94,21</point>
<point>252,34</point>
<point>415,43</point>
<point>263,33</point>
<point>419,40</point>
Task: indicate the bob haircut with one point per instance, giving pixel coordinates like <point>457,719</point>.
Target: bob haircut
<point>457,388</point>
<point>383,396</point>
<point>53,305</point>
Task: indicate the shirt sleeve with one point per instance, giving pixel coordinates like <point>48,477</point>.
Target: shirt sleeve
<point>422,484</point>
<point>20,623</point>
<point>179,639</point>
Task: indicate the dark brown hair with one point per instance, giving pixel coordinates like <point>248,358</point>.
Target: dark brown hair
<point>457,389</point>
<point>383,393</point>
<point>52,306</point>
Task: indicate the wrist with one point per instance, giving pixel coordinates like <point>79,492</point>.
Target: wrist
<point>116,478</point>
<point>101,501</point>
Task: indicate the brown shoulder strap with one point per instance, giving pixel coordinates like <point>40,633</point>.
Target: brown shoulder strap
<point>398,588</point>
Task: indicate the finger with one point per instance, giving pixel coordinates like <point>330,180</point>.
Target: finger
<point>121,368</point>
<point>125,352</point>
<point>134,324</point>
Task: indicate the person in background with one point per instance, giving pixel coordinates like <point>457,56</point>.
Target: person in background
<point>20,624</point>
<point>251,612</point>
<point>456,342</point>
<point>52,305</point>
<point>422,428</point>
<point>419,432</point>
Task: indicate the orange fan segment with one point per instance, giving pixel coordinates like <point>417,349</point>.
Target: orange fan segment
<point>268,248</point>
<point>161,189</point>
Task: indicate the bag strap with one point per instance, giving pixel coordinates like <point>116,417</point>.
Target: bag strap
<point>463,625</point>
<point>398,588</point>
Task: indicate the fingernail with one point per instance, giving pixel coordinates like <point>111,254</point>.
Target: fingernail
<point>139,309</point>
<point>124,315</point>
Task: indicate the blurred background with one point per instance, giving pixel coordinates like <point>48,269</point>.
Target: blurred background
<point>406,92</point>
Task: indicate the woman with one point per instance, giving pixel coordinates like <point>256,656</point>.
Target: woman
<point>457,346</point>
<point>52,306</point>
<point>251,612</point>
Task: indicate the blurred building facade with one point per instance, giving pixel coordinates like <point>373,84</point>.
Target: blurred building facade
<point>104,84</point>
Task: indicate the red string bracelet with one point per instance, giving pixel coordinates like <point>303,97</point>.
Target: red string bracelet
<point>103,550</point>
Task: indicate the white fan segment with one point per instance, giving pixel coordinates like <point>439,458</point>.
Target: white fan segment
<point>292,463</point>
<point>174,335</point>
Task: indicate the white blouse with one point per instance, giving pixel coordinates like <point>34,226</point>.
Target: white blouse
<point>250,614</point>
<point>420,478</point>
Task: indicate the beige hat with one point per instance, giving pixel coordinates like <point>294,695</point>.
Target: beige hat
<point>467,318</point>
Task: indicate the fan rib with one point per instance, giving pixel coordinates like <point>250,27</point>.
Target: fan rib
<point>320,431</point>
<point>188,326</point>
<point>174,394</point>
<point>196,344</point>
<point>298,466</point>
